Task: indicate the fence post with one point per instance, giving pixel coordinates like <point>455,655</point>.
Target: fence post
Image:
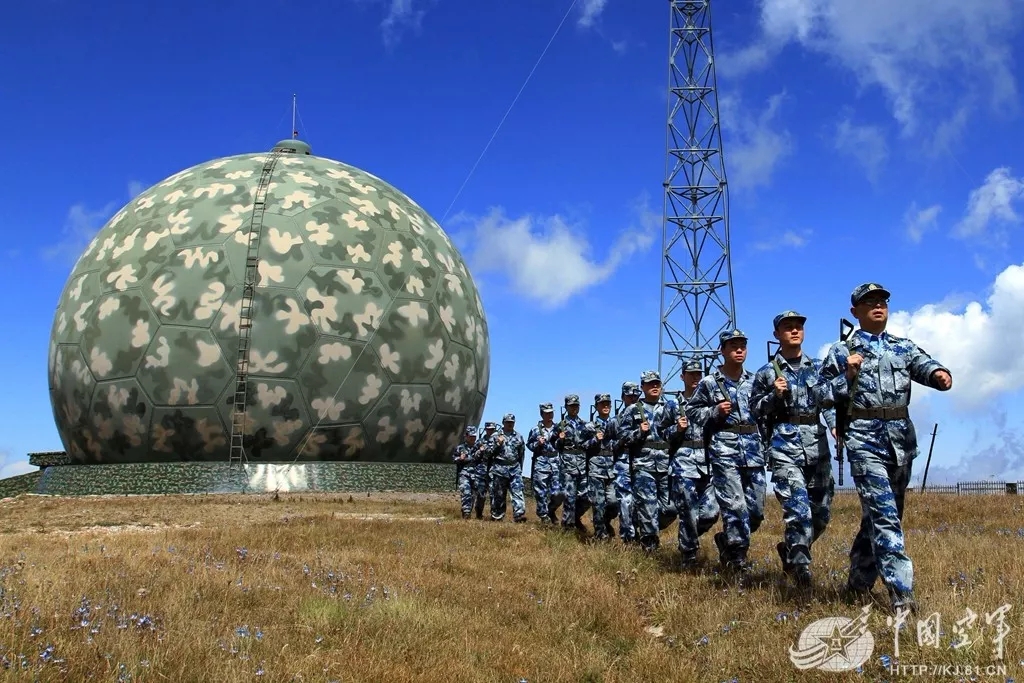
<point>1011,488</point>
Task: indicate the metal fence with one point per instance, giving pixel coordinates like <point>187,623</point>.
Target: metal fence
<point>964,488</point>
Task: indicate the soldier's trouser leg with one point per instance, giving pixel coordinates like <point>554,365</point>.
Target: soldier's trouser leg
<point>480,488</point>
<point>666,505</point>
<point>518,497</point>
<point>466,491</point>
<point>570,492</point>
<point>821,490</point>
<point>603,498</point>
<point>624,492</point>
<point>645,500</point>
<point>556,495</point>
<point>707,507</point>
<point>687,504</point>
<point>791,491</point>
<point>740,492</point>
<point>879,548</point>
<point>542,493</point>
<point>499,492</point>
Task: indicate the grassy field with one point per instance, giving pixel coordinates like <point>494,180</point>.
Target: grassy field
<point>400,588</point>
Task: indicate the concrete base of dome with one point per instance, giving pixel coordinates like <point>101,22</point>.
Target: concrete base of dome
<point>221,477</point>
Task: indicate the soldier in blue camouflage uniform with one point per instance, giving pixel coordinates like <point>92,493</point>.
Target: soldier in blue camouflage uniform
<point>572,434</point>
<point>648,429</point>
<point>600,459</point>
<point>507,471</point>
<point>796,443</point>
<point>483,456</point>
<point>722,404</point>
<point>690,479</point>
<point>622,468</point>
<point>545,468</point>
<point>467,478</point>
<point>877,368</point>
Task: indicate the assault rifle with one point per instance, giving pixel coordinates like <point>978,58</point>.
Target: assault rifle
<point>844,408</point>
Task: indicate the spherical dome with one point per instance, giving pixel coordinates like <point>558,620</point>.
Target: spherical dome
<point>368,339</point>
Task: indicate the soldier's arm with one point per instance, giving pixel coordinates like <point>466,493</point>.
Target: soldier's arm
<point>922,366</point>
<point>828,413</point>
<point>831,386</point>
<point>670,427</point>
<point>457,454</point>
<point>762,392</point>
<point>531,439</point>
<point>702,406</point>
<point>520,449</point>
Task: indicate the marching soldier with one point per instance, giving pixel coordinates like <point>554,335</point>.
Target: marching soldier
<point>545,468</point>
<point>600,463</point>
<point>467,474</point>
<point>648,426</point>
<point>796,445</point>
<point>868,379</point>
<point>507,471</point>
<point>690,479</point>
<point>721,403</point>
<point>572,434</point>
<point>623,467</point>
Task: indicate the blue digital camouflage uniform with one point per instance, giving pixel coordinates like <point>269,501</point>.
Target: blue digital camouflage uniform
<point>507,471</point>
<point>797,452</point>
<point>571,435</point>
<point>545,468</point>
<point>881,444</point>
<point>600,462</point>
<point>483,456</point>
<point>692,490</point>
<point>737,464</point>
<point>622,468</point>
<point>649,453</point>
<point>464,457</point>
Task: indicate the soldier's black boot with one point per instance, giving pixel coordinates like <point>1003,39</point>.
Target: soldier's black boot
<point>802,575</point>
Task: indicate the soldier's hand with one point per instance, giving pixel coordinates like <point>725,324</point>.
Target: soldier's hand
<point>541,440</point>
<point>943,380</point>
<point>501,439</point>
<point>834,434</point>
<point>853,364</point>
<point>561,435</point>
<point>780,386</point>
<point>724,408</point>
<point>645,426</point>
<point>600,435</point>
<point>682,422</point>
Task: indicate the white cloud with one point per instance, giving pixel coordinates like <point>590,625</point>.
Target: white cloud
<point>788,239</point>
<point>546,258</point>
<point>752,144</point>
<point>78,230</point>
<point>401,17</point>
<point>990,207</point>
<point>976,341</point>
<point>590,11</point>
<point>866,144</point>
<point>82,224</point>
<point>11,466</point>
<point>919,221</point>
<point>915,51</point>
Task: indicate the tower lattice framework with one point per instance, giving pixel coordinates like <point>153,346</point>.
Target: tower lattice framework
<point>697,301</point>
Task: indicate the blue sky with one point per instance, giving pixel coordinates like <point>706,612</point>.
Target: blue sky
<point>860,145</point>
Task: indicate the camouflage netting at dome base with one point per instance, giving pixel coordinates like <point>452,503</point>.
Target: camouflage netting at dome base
<point>369,339</point>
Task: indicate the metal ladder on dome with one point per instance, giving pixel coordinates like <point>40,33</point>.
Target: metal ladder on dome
<point>245,312</point>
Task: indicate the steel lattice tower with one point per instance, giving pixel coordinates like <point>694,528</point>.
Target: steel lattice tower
<point>697,300</point>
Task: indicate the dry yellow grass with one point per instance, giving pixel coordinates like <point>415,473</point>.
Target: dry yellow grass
<point>400,588</point>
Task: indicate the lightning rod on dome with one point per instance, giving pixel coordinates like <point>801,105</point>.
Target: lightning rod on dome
<point>295,131</point>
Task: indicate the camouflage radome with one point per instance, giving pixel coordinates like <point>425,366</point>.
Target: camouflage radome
<point>369,339</point>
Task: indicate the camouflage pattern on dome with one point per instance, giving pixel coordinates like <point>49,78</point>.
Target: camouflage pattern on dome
<point>369,339</point>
